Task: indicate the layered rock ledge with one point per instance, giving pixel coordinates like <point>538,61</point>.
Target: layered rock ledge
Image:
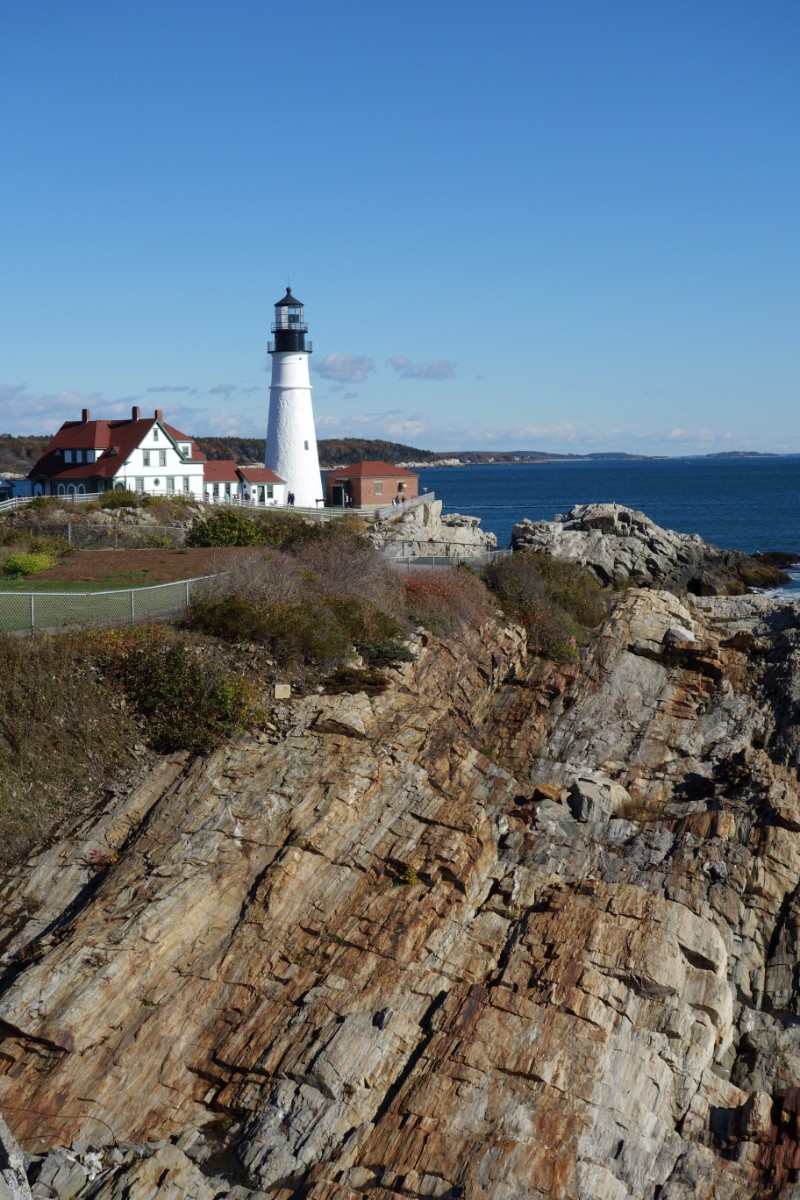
<point>622,546</point>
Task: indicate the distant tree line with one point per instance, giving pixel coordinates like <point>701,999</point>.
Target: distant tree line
<point>18,454</point>
<point>333,452</point>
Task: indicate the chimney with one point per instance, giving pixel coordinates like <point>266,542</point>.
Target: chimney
<point>84,415</point>
<point>135,412</point>
<point>159,414</point>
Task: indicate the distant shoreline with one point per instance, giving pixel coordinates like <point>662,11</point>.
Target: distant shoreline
<point>509,460</point>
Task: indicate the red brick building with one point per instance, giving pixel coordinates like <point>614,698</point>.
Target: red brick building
<point>370,485</point>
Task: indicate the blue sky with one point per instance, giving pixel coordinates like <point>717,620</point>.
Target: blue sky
<point>568,226</point>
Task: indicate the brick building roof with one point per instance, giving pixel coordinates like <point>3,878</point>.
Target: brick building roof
<point>372,469</point>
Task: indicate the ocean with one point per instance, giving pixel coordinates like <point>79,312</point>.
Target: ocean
<point>746,504</point>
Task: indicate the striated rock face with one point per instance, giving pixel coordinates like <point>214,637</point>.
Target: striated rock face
<point>423,530</point>
<point>369,959</point>
<point>622,546</point>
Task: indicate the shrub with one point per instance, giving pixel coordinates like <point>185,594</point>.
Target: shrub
<point>24,563</point>
<point>34,541</point>
<point>118,498</point>
<point>308,634</point>
<point>443,600</point>
<point>42,504</point>
<point>347,567</point>
<point>231,527</point>
<point>189,703</point>
<point>389,653</point>
<point>227,527</point>
<point>556,601</point>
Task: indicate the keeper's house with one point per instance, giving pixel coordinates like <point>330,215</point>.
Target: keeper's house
<point>140,454</point>
<point>370,485</point>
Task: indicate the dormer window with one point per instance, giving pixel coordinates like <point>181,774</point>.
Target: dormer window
<point>68,456</point>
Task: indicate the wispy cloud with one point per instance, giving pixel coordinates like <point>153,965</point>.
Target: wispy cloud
<point>223,389</point>
<point>389,424</point>
<point>165,387</point>
<point>438,369</point>
<point>24,412</point>
<point>345,368</point>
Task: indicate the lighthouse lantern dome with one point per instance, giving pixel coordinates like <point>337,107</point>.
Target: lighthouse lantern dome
<point>289,326</point>
<point>289,313</point>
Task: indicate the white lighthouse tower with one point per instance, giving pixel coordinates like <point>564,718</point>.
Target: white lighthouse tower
<point>291,438</point>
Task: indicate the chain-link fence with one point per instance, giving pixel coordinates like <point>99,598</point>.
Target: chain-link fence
<point>119,536</point>
<point>58,610</point>
<point>482,558</point>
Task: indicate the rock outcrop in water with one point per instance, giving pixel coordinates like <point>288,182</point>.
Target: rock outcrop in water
<point>622,547</point>
<point>502,930</point>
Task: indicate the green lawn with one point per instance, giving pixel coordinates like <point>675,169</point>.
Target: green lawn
<point>122,579</point>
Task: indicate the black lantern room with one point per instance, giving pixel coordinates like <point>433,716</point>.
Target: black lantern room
<point>289,326</point>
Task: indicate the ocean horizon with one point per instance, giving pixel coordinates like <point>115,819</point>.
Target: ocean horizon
<point>742,503</point>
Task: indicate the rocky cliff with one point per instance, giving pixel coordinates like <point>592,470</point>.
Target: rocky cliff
<point>500,930</point>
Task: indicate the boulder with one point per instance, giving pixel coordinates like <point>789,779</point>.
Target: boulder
<point>422,530</point>
<point>623,547</point>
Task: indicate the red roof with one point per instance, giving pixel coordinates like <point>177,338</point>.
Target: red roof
<point>116,440</point>
<point>220,470</point>
<point>372,470</point>
<point>259,475</point>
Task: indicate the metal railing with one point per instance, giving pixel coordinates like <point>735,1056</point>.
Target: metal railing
<point>393,510</point>
<point>20,611</point>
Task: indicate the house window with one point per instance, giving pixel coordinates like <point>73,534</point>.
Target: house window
<point>139,483</point>
<point>155,433</point>
<point>227,490</point>
<point>185,448</point>
<point>162,458</point>
<point>146,457</point>
<point>170,484</point>
<point>67,456</point>
<point>270,491</point>
<point>378,489</point>
<point>215,491</point>
<point>186,483</point>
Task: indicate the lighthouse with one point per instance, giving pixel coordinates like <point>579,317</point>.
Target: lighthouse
<point>291,438</point>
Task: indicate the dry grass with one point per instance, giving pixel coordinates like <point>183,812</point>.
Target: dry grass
<point>62,737</point>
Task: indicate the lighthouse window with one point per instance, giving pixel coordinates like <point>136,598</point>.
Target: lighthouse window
<point>305,445</point>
